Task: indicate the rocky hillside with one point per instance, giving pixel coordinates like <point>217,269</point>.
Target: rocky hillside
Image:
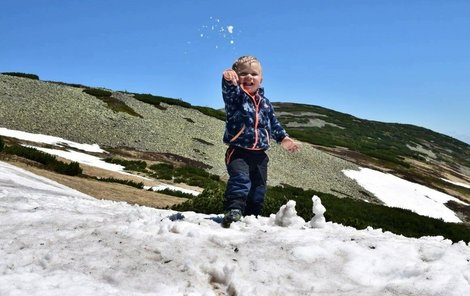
<point>69,112</point>
<point>412,152</point>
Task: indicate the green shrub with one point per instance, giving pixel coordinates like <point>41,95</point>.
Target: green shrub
<point>211,112</point>
<point>346,211</point>
<point>31,153</point>
<point>189,175</point>
<point>175,193</point>
<point>163,171</point>
<point>70,169</point>
<point>157,100</point>
<point>24,75</point>
<point>112,103</point>
<point>49,161</point>
<point>139,185</point>
<point>210,201</point>
<point>98,92</point>
<point>129,165</point>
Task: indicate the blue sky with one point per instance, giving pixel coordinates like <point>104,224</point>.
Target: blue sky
<point>405,61</point>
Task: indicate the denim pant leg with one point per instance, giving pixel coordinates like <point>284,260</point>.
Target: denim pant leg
<point>238,185</point>
<point>258,176</point>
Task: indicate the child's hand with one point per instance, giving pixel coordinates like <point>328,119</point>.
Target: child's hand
<point>231,76</point>
<point>289,144</point>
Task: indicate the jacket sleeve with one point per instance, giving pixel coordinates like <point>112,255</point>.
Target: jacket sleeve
<point>230,93</point>
<point>278,133</point>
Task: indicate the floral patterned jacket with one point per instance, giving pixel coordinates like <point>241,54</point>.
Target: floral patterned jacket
<point>251,121</point>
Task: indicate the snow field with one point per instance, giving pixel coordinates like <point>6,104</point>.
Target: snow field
<point>57,241</point>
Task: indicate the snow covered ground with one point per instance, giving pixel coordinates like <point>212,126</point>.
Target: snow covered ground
<point>57,241</point>
<point>396,192</point>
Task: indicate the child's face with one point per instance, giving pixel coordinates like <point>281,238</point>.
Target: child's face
<point>250,77</point>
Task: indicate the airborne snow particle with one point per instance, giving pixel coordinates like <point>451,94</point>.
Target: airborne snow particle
<point>230,29</point>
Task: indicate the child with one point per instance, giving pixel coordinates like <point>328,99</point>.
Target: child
<point>249,126</point>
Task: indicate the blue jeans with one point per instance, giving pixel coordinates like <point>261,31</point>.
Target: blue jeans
<point>246,186</point>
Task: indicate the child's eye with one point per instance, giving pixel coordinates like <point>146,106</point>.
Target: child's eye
<point>246,74</point>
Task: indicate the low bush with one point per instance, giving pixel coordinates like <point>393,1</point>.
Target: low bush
<point>98,92</point>
<point>210,201</point>
<point>139,185</point>
<point>49,161</point>
<point>129,165</point>
<point>346,211</point>
<point>112,103</point>
<point>70,169</point>
<point>175,193</point>
<point>23,75</point>
<point>157,100</point>
<point>162,171</point>
<point>31,154</point>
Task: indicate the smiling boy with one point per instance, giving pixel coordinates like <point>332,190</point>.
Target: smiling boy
<point>250,123</point>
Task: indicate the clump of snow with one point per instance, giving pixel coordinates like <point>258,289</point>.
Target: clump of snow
<point>318,220</point>
<point>287,216</point>
<point>216,33</point>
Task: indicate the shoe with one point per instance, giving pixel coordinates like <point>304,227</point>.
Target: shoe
<point>233,215</point>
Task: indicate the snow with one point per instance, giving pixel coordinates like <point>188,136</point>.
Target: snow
<point>171,187</point>
<point>396,192</point>
<point>457,183</point>
<point>57,241</point>
<point>81,157</point>
<point>215,33</point>
<point>318,210</point>
<point>51,140</point>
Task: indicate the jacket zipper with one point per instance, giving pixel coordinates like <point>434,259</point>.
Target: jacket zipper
<point>253,98</point>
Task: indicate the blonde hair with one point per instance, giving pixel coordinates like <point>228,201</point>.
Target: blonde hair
<point>244,60</point>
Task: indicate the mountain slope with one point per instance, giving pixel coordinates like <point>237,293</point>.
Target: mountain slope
<point>67,111</point>
<point>412,152</point>
<point>154,124</point>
